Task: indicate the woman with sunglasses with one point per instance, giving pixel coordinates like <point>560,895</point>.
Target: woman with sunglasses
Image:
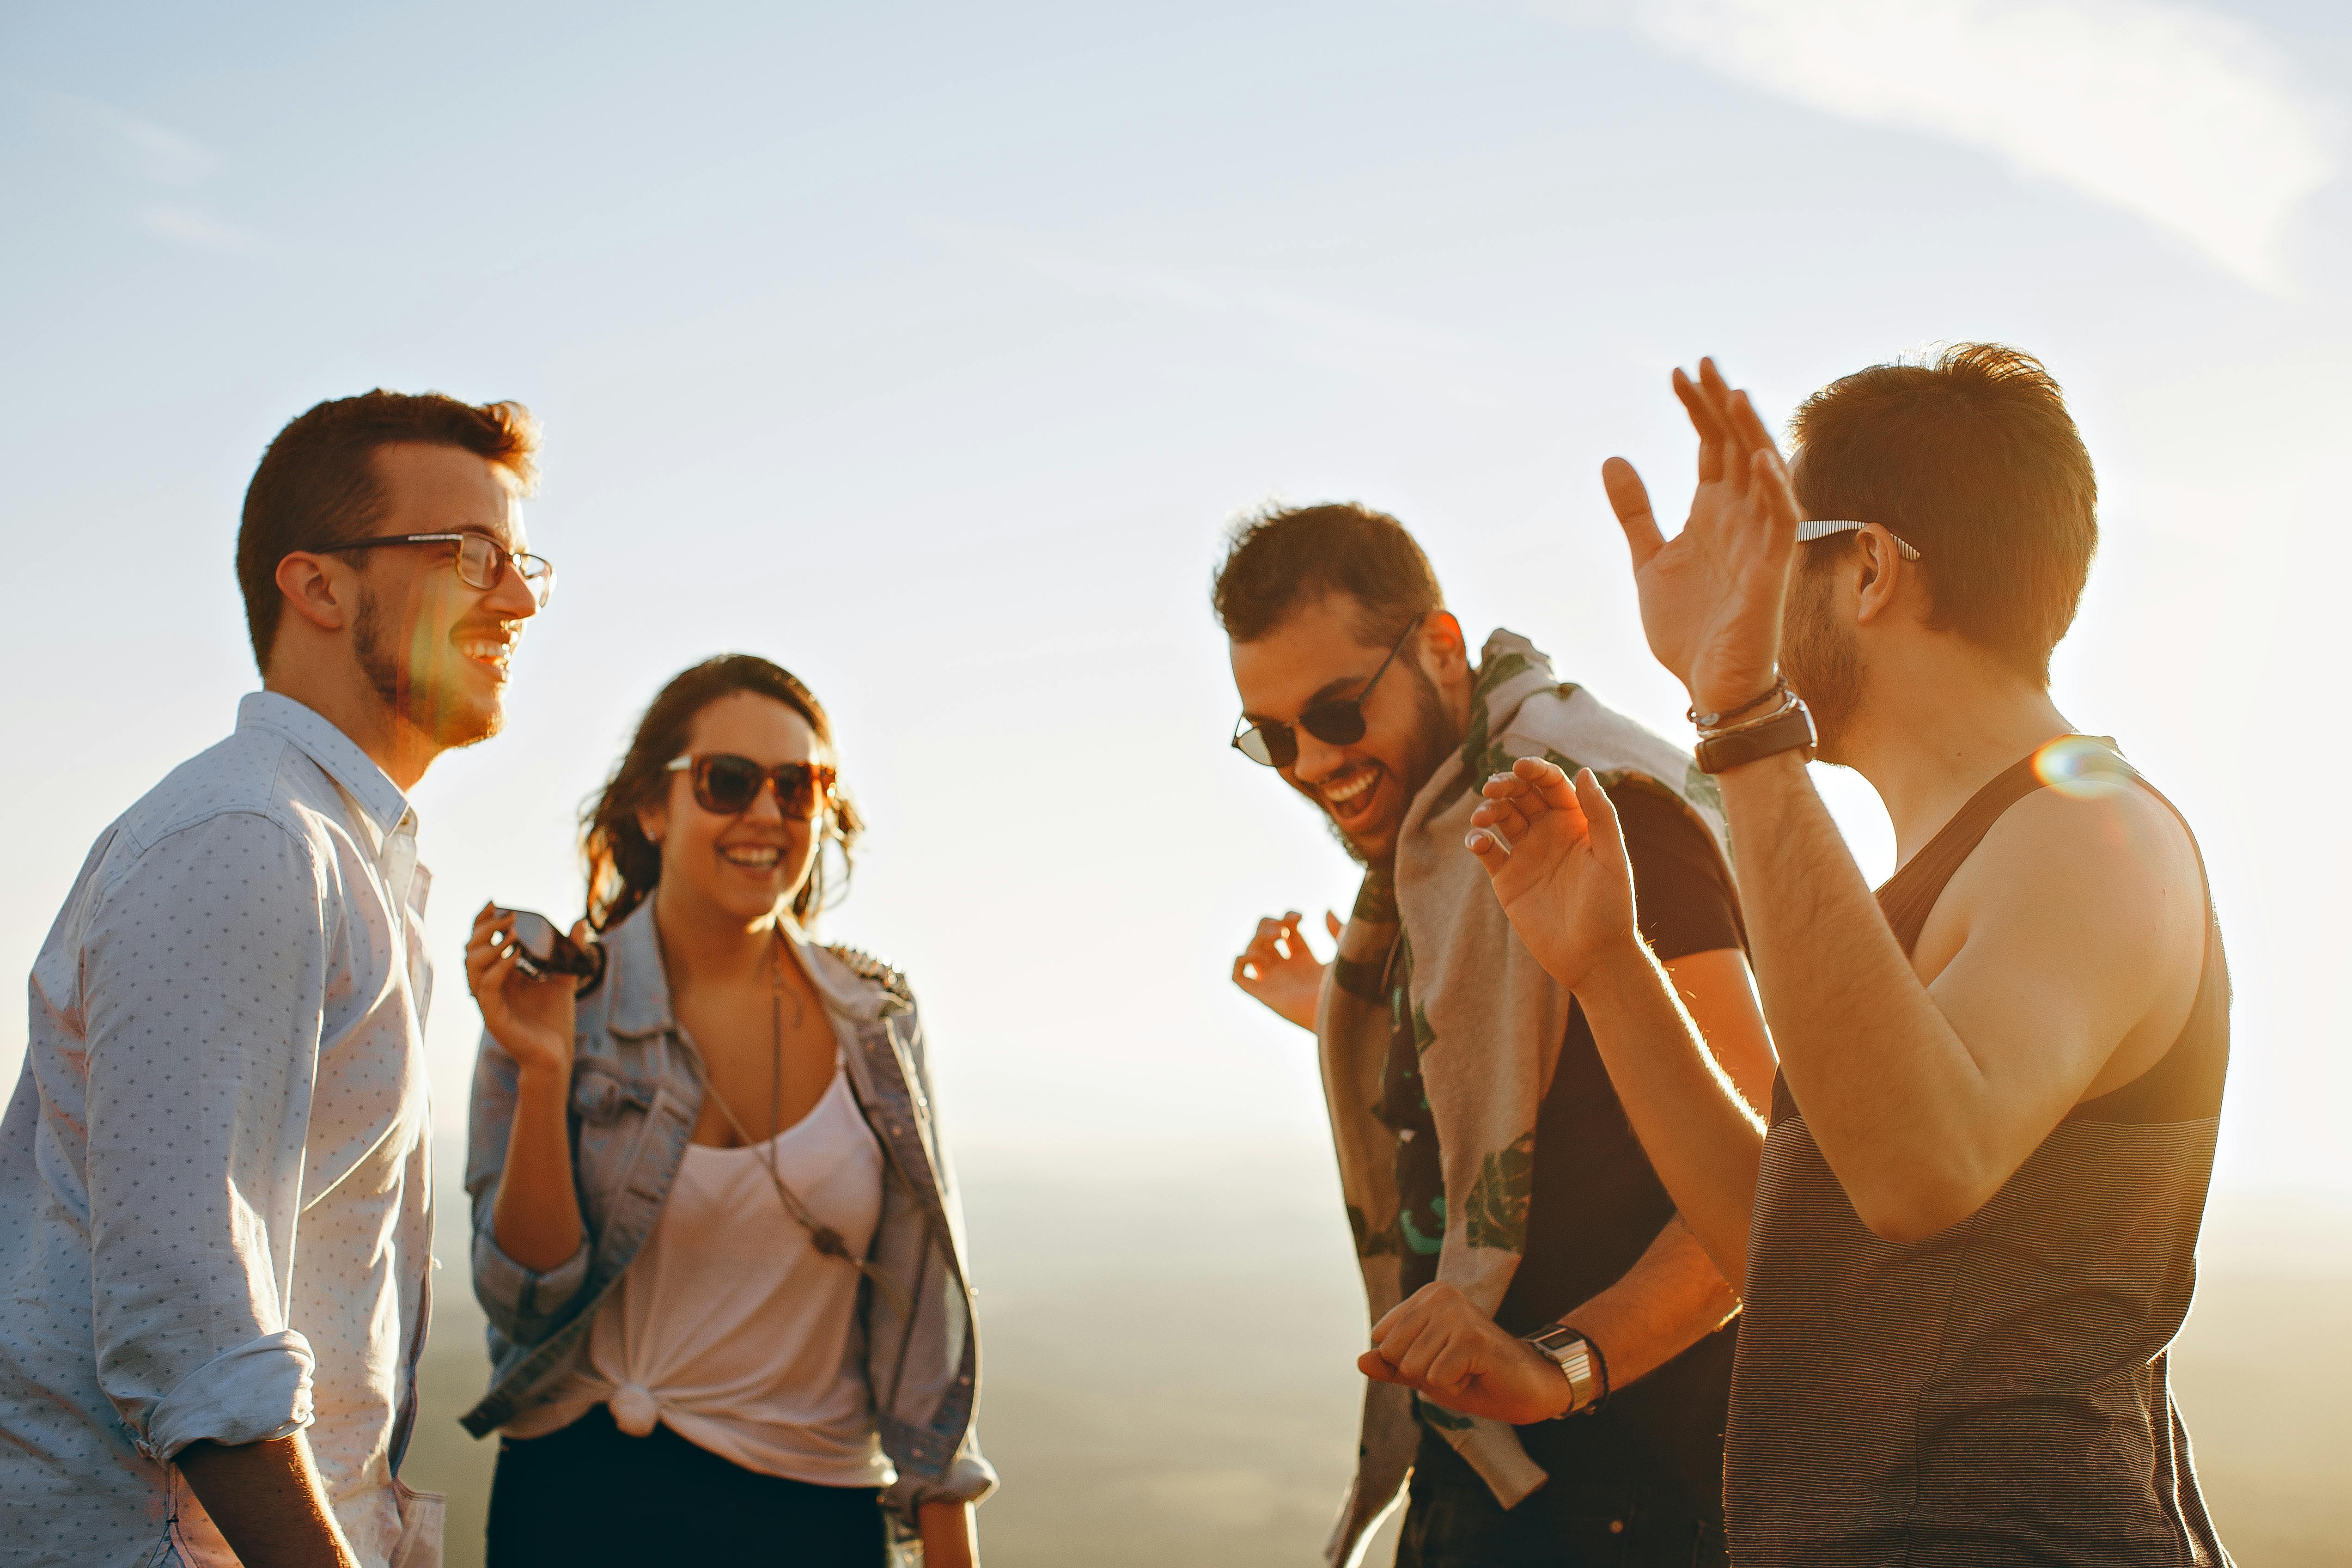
<point>714,1226</point>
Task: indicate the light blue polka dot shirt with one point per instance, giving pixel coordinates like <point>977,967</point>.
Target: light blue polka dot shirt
<point>214,1185</point>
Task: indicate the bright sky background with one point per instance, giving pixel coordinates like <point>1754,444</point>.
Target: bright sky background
<point>928,350</point>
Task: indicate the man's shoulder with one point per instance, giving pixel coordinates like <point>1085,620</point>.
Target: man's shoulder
<point>242,785</point>
<point>2104,856</point>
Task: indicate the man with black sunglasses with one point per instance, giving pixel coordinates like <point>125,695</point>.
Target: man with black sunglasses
<point>215,1189</point>
<point>1518,1251</point>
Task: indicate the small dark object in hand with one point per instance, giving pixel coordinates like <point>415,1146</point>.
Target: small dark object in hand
<point>542,950</point>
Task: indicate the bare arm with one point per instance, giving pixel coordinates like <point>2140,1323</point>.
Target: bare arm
<point>1568,887</point>
<point>950,1539</point>
<point>1924,1099</point>
<point>536,1219</point>
<point>1674,1295</point>
<point>268,1501</point>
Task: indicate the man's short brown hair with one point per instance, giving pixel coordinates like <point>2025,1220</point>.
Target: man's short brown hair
<point>317,484</point>
<point>1972,459</point>
<point>1286,557</point>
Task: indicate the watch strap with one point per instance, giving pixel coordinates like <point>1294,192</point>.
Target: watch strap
<point>1790,730</point>
<point>1579,1361</point>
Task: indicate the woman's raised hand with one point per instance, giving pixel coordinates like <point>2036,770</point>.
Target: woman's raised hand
<point>1557,860</point>
<point>532,1018</point>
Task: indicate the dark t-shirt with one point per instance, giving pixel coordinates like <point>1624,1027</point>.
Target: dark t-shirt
<point>1597,1205</point>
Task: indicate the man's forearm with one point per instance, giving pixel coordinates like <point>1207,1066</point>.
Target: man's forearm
<point>1702,1138</point>
<point>1868,1055</point>
<point>1671,1298</point>
<point>268,1502</point>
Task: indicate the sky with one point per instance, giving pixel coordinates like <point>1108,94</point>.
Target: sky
<point>930,351</point>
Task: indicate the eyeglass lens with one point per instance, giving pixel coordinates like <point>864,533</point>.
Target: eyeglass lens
<point>481,562</point>
<point>1275,745</point>
<point>729,784</point>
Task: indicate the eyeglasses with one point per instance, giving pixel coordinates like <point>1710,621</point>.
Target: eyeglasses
<point>728,786</point>
<point>481,560</point>
<point>1339,722</point>
<point>1826,527</point>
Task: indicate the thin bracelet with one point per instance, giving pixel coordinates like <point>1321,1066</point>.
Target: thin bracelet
<point>1714,720</point>
<point>1607,1387</point>
<point>1788,700</point>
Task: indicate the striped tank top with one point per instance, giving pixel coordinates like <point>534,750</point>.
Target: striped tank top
<point>1997,1393</point>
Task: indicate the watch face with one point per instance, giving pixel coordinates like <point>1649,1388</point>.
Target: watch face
<point>1554,1343</point>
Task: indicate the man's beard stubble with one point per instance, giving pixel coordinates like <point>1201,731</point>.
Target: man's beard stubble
<point>437,711</point>
<point>1818,657</point>
<point>1431,739</point>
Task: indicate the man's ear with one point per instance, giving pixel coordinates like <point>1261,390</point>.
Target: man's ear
<point>322,594</point>
<point>1443,636</point>
<point>1878,571</point>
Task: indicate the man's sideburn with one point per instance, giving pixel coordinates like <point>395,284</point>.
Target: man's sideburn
<point>421,702</point>
<point>1818,654</point>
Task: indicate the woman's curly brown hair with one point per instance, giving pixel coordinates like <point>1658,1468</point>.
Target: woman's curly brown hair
<point>623,864</point>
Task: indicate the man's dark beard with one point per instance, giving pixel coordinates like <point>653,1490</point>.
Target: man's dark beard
<point>1818,657</point>
<point>375,643</point>
<point>1433,738</point>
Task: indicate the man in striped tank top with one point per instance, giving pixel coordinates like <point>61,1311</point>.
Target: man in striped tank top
<point>1965,1238</point>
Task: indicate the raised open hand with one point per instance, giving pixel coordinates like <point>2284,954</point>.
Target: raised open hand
<point>1278,969</point>
<point>1564,881</point>
<point>1712,595</point>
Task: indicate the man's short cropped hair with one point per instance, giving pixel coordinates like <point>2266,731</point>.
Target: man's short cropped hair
<point>1283,558</point>
<point>317,485</point>
<point>1971,458</point>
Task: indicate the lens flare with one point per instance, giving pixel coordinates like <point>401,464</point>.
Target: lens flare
<point>2083,766</point>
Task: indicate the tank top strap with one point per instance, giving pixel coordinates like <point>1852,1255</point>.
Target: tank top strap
<point>1909,896</point>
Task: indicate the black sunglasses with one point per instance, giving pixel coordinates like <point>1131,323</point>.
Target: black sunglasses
<point>1338,722</point>
<point>726,785</point>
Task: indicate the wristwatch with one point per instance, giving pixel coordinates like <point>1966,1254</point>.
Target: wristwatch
<point>1789,729</point>
<point>1588,1381</point>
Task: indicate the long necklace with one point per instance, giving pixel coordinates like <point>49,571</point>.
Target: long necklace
<point>822,1236</point>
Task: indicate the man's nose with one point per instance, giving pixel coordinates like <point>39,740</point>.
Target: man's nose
<point>1318,760</point>
<point>513,599</point>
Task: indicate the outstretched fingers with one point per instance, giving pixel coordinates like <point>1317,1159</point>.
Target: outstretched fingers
<point>1630,499</point>
<point>1598,814</point>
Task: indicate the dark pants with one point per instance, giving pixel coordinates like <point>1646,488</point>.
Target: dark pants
<point>1453,1522</point>
<point>591,1494</point>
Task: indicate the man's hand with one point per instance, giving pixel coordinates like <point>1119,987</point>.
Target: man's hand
<point>1564,880</point>
<point>1279,970</point>
<point>1442,1346</point>
<point>532,1018</point>
<point>1712,595</point>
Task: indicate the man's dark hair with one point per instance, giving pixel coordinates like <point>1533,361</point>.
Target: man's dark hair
<point>1282,558</point>
<point>1972,459</point>
<point>317,484</point>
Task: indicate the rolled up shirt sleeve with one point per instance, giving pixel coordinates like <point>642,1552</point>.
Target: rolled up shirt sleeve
<point>206,966</point>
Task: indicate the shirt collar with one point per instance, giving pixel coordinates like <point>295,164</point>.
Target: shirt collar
<point>336,753</point>
<point>640,1002</point>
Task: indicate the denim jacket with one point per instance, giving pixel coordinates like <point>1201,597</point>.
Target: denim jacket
<point>637,1094</point>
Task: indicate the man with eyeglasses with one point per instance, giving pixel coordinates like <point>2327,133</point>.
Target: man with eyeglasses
<point>215,1194</point>
<point>1503,1212</point>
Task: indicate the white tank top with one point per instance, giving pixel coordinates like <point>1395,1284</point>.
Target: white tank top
<point>731,1328</point>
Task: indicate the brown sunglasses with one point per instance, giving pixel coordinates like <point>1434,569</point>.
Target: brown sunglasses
<point>726,785</point>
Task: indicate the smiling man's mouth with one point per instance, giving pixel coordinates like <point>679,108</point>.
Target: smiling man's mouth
<point>493,652</point>
<point>1350,795</point>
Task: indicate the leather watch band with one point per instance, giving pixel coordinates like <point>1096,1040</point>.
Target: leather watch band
<point>1791,730</point>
